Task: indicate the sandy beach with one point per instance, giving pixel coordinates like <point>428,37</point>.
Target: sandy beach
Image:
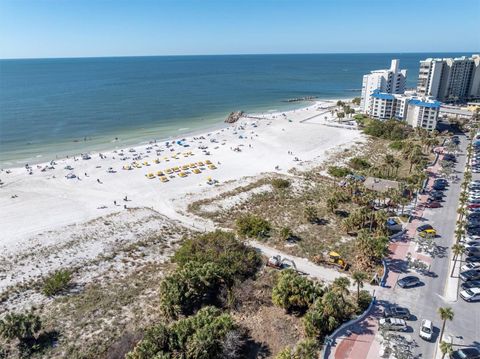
<point>41,199</point>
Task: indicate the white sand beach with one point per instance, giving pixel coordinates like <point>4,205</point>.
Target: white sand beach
<point>275,142</point>
<point>42,199</point>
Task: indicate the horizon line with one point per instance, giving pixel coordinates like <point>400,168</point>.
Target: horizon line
<point>236,54</point>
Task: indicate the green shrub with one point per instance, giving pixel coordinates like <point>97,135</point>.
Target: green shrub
<point>280,183</point>
<point>286,233</point>
<point>311,214</point>
<point>358,163</point>
<point>363,301</point>
<point>189,287</point>
<point>338,172</point>
<point>252,226</point>
<point>295,293</point>
<point>305,349</point>
<point>389,129</point>
<point>235,259</point>
<point>23,327</point>
<point>207,334</point>
<point>57,282</point>
<point>397,145</point>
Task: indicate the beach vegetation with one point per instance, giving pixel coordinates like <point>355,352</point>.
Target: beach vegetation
<point>356,101</point>
<point>280,183</point>
<point>295,293</point>
<point>359,163</point>
<point>188,288</point>
<point>236,260</point>
<point>338,172</point>
<point>57,282</point>
<point>390,129</point>
<point>23,327</point>
<point>397,145</point>
<point>286,233</point>
<point>363,300</point>
<point>311,214</point>
<point>252,226</point>
<point>304,349</point>
<point>209,333</point>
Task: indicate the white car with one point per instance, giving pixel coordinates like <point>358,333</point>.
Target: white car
<point>426,330</point>
<point>471,295</point>
<point>469,266</point>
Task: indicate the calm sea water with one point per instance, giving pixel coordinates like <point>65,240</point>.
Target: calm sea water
<point>50,106</point>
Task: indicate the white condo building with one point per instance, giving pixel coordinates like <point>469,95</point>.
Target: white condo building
<point>416,111</point>
<point>450,79</point>
<point>391,81</point>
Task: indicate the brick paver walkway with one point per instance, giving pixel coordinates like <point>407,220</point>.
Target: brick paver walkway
<point>358,341</point>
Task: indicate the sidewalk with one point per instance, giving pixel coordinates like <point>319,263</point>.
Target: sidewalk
<point>358,342</point>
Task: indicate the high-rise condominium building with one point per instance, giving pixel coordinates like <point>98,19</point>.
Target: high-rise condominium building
<point>450,80</point>
<point>416,111</point>
<point>391,81</point>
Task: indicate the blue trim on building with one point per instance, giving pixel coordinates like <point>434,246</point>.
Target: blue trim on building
<point>434,104</point>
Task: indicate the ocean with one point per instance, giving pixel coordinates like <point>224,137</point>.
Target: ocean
<point>55,107</point>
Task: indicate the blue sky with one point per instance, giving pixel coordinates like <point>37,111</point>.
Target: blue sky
<point>74,28</point>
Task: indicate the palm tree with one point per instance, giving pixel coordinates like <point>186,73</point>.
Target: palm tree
<point>446,348</point>
<point>340,285</point>
<point>358,278</point>
<point>445,313</point>
<point>457,249</point>
<point>389,161</point>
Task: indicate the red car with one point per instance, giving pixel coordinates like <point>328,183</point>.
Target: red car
<point>433,204</point>
<point>474,205</point>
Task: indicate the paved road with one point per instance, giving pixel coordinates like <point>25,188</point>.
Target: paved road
<point>424,301</point>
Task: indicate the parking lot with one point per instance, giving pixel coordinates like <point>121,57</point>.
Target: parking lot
<point>424,300</point>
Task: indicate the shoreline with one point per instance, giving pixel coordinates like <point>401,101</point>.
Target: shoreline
<point>108,144</point>
<point>72,190</point>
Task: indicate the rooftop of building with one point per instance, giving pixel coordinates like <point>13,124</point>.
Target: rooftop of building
<point>425,103</point>
<point>382,95</point>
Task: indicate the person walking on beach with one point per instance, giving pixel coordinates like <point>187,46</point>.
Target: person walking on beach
<point>115,203</point>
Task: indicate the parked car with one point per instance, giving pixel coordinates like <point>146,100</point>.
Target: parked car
<point>471,294</point>
<point>469,266</point>
<point>424,227</point>
<point>473,258</point>
<point>408,281</point>
<point>397,312</point>
<point>394,324</point>
<point>469,275</point>
<point>426,330</point>
<point>438,187</point>
<point>472,249</point>
<point>441,181</point>
<point>428,233</point>
<point>433,204</point>
<point>466,353</point>
<point>471,284</point>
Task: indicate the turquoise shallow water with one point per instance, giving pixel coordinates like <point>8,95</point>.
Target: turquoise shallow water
<point>49,106</point>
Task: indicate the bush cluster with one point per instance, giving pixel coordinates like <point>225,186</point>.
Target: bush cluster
<point>252,226</point>
<point>390,129</point>
<point>57,282</point>
<point>338,172</point>
<point>280,183</point>
<point>206,265</point>
<point>358,163</point>
<point>208,334</point>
